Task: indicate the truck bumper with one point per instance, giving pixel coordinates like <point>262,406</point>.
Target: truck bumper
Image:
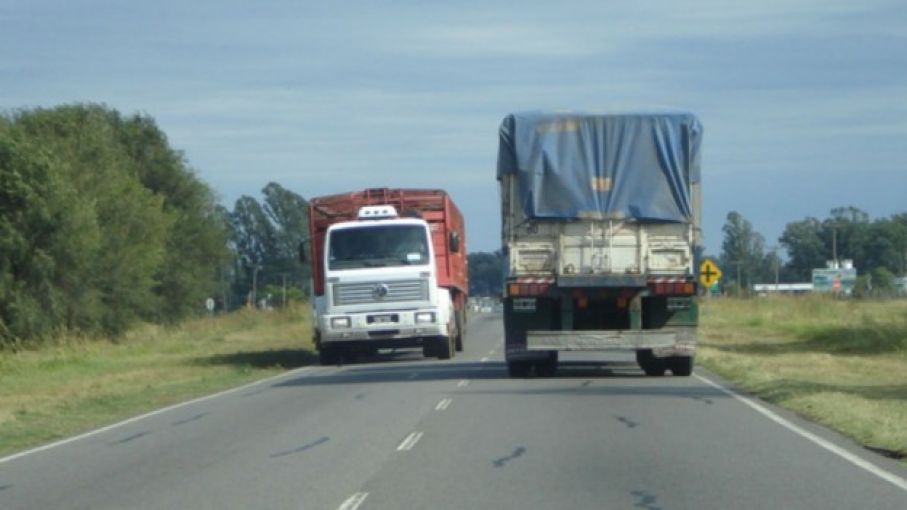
<point>672,341</point>
<point>386,328</point>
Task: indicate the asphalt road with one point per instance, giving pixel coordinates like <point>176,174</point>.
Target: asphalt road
<point>400,432</point>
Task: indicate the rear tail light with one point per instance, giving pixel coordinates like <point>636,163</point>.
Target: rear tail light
<point>527,289</point>
<point>673,288</point>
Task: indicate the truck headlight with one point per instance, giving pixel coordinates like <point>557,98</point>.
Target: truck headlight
<point>425,317</point>
<point>340,322</point>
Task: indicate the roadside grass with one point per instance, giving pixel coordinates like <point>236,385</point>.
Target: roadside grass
<point>841,363</point>
<point>60,388</point>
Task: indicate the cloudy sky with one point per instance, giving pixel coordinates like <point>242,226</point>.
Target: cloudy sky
<point>804,102</point>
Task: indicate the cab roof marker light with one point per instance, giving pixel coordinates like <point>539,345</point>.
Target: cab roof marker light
<point>377,212</point>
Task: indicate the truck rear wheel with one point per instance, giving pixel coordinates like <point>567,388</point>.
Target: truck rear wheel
<point>681,365</point>
<point>519,368</point>
<point>649,364</point>
<point>547,367</point>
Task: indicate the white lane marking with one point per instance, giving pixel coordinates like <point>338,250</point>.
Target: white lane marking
<point>483,360</point>
<point>413,375</point>
<point>463,383</point>
<point>152,413</point>
<point>353,502</point>
<point>824,443</point>
<point>491,352</point>
<point>443,404</point>
<point>410,441</point>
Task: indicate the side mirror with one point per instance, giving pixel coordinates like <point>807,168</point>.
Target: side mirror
<point>302,249</point>
<point>454,241</point>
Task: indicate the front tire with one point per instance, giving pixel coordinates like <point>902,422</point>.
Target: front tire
<point>444,347</point>
<point>328,355</point>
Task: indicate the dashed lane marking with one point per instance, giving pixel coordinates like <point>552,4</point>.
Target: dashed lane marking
<point>463,383</point>
<point>410,441</point>
<point>483,360</point>
<point>353,502</point>
<point>443,404</point>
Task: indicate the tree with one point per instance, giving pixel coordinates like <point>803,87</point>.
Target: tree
<point>742,256</point>
<point>289,213</point>
<point>99,264</point>
<point>101,224</point>
<point>267,237</point>
<point>847,235</point>
<point>486,273</point>
<point>254,242</point>
<point>805,246</point>
<point>196,254</point>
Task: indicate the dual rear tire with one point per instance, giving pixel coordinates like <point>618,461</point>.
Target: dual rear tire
<point>656,367</point>
<point>543,368</point>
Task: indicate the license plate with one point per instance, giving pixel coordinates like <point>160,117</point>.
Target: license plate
<point>524,305</point>
<point>382,319</point>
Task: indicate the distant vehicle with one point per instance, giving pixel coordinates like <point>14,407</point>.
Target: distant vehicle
<point>389,270</point>
<point>600,217</point>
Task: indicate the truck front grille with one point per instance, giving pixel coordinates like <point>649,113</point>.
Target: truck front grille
<point>380,292</point>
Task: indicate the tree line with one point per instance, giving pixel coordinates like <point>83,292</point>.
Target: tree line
<point>877,247</point>
<point>103,224</point>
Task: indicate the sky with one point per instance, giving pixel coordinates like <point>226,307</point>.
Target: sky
<point>803,102</point>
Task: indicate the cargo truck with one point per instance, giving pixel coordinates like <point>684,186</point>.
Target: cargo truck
<point>389,271</point>
<point>600,224</point>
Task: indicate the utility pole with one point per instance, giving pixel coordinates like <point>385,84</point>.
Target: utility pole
<point>834,244</point>
<point>284,277</point>
<point>255,285</point>
<point>739,281</point>
<point>777,261</point>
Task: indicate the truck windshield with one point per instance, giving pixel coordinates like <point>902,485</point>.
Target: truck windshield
<point>378,246</point>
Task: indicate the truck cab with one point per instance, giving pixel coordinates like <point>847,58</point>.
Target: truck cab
<point>381,288</point>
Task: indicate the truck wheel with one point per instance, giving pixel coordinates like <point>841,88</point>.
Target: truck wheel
<point>444,347</point>
<point>681,365</point>
<point>649,364</point>
<point>461,329</point>
<point>519,368</point>
<point>328,355</point>
<point>547,367</point>
<point>428,347</point>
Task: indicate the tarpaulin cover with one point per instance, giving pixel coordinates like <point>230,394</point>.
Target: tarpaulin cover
<point>578,165</point>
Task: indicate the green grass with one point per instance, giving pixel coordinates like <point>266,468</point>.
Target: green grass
<point>842,363</point>
<point>73,384</point>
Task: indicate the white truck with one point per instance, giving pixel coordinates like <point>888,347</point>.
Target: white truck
<point>600,220</point>
<point>389,271</point>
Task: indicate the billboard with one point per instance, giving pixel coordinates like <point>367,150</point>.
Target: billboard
<point>835,280</point>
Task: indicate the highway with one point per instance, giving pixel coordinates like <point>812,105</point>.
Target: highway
<point>401,432</point>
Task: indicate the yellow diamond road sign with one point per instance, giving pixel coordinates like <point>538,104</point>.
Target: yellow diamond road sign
<point>708,273</point>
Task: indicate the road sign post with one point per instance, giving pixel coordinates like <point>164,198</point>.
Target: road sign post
<point>709,273</point>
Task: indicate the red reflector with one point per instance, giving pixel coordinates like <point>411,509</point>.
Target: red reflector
<point>678,288</point>
<point>660,288</point>
<point>524,289</point>
<point>534,289</point>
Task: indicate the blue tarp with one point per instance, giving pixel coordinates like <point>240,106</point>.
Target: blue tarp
<point>578,165</point>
